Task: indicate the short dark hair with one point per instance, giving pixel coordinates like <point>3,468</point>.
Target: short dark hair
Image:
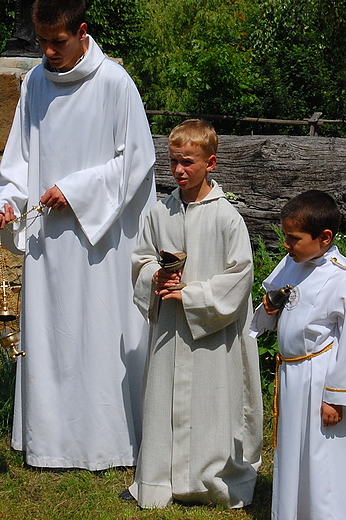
<point>314,211</point>
<point>69,14</point>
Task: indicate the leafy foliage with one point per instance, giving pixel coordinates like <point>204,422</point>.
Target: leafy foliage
<point>196,58</point>
<point>6,21</point>
<point>299,50</point>
<point>268,58</point>
<point>114,24</point>
<point>340,242</point>
<point>264,263</point>
<point>261,58</point>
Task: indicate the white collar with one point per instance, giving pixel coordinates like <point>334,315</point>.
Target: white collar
<point>85,65</point>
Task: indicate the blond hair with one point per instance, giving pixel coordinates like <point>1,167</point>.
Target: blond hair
<point>195,132</point>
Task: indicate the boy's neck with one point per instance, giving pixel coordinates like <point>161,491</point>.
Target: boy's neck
<point>197,194</point>
<point>324,250</point>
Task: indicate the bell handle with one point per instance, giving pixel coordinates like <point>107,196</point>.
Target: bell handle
<point>14,353</point>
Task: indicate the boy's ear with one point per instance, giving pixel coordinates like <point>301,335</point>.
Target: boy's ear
<point>326,237</point>
<point>82,31</point>
<point>211,163</point>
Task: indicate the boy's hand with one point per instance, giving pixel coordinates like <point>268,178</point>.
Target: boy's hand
<point>331,414</point>
<point>268,308</point>
<point>167,295</point>
<point>55,199</point>
<point>162,279</point>
<point>6,216</point>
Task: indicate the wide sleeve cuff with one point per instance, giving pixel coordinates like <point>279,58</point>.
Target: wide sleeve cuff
<point>144,292</point>
<point>262,321</point>
<point>334,395</point>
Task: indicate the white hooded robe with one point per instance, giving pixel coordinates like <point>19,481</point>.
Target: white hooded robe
<point>77,389</point>
<point>202,408</point>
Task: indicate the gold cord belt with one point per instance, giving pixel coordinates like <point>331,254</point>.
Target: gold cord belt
<point>279,360</point>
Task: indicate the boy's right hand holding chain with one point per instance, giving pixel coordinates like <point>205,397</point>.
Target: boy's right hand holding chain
<point>6,216</point>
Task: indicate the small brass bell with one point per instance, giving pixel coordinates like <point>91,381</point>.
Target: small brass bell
<point>6,313</point>
<point>172,263</point>
<point>279,297</point>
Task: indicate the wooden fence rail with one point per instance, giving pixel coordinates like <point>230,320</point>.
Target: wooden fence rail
<point>313,122</point>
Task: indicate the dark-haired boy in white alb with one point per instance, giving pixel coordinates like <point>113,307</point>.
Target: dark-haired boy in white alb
<point>310,459</point>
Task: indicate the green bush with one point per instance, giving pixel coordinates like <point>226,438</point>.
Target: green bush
<point>196,58</point>
<point>298,47</point>
<point>264,58</point>
<point>340,241</point>
<point>114,24</point>
<point>264,263</point>
<point>6,21</point>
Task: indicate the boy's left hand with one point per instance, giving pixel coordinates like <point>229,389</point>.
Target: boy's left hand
<point>268,308</point>
<point>331,414</point>
<point>166,295</point>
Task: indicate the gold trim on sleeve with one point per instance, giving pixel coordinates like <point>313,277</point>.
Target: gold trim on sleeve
<point>334,389</point>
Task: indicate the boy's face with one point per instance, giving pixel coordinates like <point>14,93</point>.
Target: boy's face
<point>300,245</point>
<point>62,48</point>
<point>190,167</point>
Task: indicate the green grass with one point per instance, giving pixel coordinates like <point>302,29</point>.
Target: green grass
<point>7,382</point>
<point>82,495</point>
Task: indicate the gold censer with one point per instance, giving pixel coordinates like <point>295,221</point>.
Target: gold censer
<point>9,312</point>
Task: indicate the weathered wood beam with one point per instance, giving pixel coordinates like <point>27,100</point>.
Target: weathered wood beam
<point>264,172</point>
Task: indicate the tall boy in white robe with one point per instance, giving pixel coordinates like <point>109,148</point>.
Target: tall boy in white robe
<point>80,144</point>
<point>202,408</point>
<point>310,459</point>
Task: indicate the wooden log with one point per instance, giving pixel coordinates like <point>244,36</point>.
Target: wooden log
<point>263,172</point>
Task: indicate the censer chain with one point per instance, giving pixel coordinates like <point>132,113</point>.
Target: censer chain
<point>40,212</point>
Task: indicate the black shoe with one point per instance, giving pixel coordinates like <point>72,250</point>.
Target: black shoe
<point>126,495</point>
